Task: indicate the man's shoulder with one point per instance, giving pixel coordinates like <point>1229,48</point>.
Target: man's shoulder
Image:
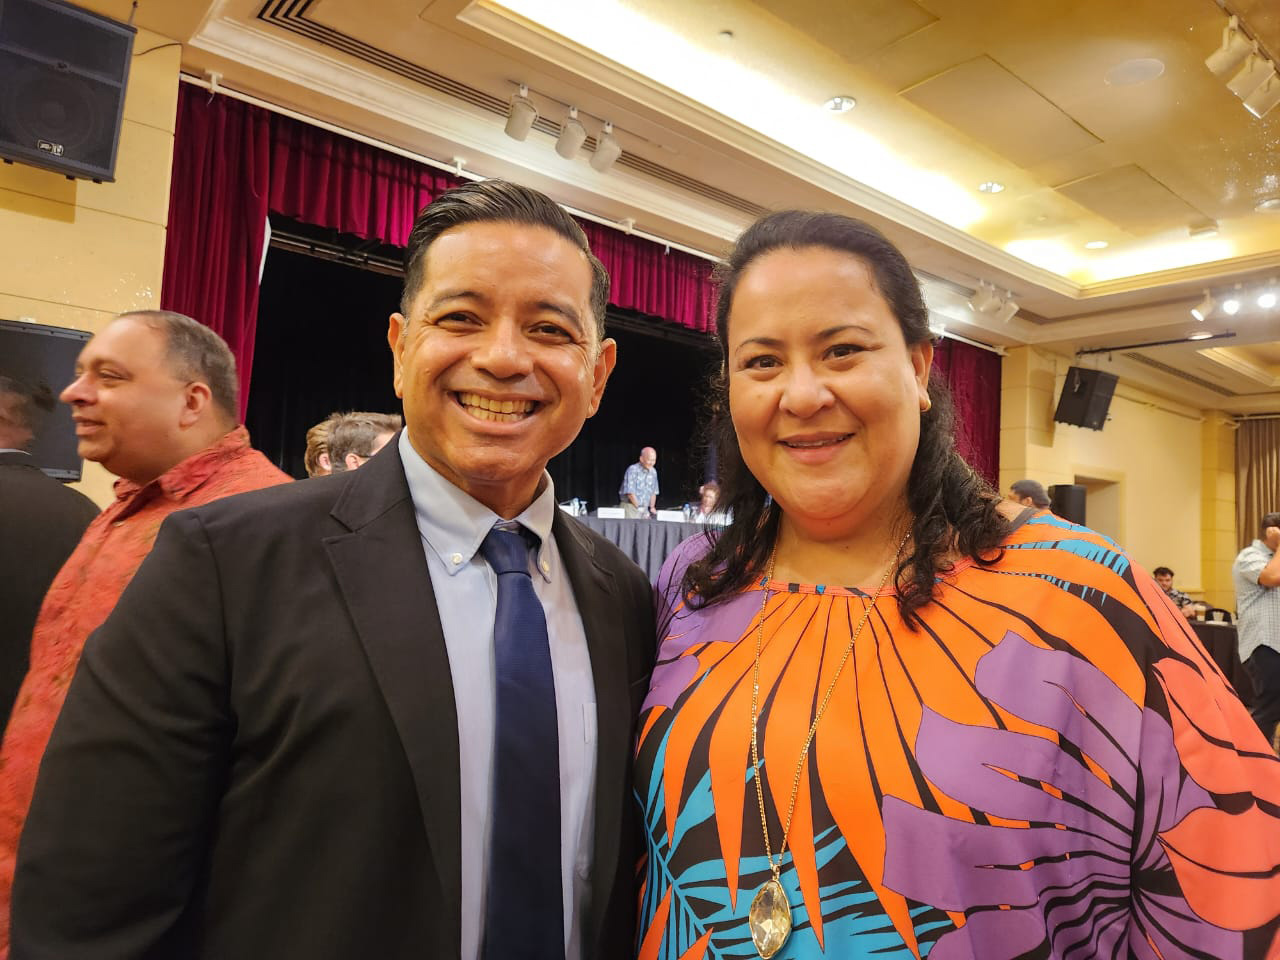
<point>31,481</point>
<point>275,505</point>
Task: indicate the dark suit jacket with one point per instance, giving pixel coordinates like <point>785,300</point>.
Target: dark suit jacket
<point>41,521</point>
<point>258,756</point>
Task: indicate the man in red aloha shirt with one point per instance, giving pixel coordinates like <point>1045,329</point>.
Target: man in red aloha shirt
<point>154,400</point>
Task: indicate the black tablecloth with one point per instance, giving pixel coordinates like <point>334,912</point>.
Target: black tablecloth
<point>1220,640</point>
<point>647,542</point>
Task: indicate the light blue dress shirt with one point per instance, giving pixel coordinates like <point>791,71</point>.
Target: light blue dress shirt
<point>453,525</point>
<point>1257,607</point>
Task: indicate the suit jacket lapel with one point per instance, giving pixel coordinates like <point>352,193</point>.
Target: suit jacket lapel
<point>594,589</point>
<point>383,576</point>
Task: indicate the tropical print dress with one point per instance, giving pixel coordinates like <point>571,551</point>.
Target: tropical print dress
<point>1052,767</point>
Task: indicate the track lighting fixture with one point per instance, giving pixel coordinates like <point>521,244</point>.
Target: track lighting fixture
<point>1007,310</point>
<point>1252,75</point>
<point>986,300</point>
<point>572,136</point>
<point>1266,97</point>
<point>520,115</point>
<point>1204,307</point>
<point>1254,78</point>
<point>1235,47</point>
<point>608,150</point>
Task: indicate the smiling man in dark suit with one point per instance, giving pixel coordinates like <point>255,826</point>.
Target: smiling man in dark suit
<point>387,713</point>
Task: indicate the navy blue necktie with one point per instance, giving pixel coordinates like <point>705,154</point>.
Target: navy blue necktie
<point>524,905</point>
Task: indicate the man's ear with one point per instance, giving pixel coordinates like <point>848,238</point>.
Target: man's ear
<point>196,399</point>
<point>396,326</point>
<point>605,361</point>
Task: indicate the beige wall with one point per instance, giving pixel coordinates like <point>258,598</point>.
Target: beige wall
<point>74,253</point>
<point>1154,474</point>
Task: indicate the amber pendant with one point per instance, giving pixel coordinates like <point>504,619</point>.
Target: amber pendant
<point>770,919</point>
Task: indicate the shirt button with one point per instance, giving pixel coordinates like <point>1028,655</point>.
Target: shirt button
<point>456,558</point>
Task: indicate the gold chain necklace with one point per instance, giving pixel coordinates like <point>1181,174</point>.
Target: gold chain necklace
<point>770,915</point>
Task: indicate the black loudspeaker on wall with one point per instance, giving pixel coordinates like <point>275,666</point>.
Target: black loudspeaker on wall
<point>62,79</point>
<point>1067,501</point>
<point>1086,397</point>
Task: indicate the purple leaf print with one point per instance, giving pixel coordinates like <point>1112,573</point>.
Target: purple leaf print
<point>1089,879</point>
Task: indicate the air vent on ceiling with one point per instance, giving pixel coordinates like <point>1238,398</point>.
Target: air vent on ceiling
<point>1180,374</point>
<point>291,15</point>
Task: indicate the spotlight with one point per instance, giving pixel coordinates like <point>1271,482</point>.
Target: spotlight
<point>1203,335</point>
<point>1231,306</point>
<point>1252,75</point>
<point>520,115</point>
<point>1204,307</point>
<point>1263,100</point>
<point>985,299</point>
<point>1235,47</point>
<point>608,150</point>
<point>1007,310</point>
<point>572,136</point>
<point>1267,300</point>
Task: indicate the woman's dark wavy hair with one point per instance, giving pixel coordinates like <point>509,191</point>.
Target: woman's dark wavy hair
<point>953,508</point>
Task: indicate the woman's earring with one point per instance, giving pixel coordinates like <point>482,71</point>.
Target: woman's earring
<point>925,405</point>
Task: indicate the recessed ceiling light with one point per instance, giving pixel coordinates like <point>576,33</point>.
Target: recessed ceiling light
<point>1267,300</point>
<point>840,104</point>
<point>1203,230</point>
<point>726,34</point>
<point>991,186</point>
<point>1269,205</point>
<point>1133,72</point>
<point>1231,306</point>
<point>1096,245</point>
<point>1205,335</point>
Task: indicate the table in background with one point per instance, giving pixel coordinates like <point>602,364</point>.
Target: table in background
<point>647,542</point>
<point>1220,641</point>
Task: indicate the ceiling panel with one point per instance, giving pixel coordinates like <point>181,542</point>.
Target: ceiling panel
<point>857,31</point>
<point>1132,199</point>
<point>997,109</point>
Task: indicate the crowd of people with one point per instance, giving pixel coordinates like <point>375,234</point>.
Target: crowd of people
<point>408,707</point>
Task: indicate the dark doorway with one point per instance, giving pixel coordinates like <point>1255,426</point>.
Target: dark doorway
<point>321,346</point>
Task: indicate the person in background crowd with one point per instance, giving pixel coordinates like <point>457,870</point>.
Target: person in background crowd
<point>893,715</point>
<point>1029,493</point>
<point>639,490</point>
<point>41,521</point>
<point>154,400</point>
<point>316,458</point>
<point>1256,574</point>
<point>355,437</point>
<point>707,510</point>
<point>388,715</point>
<point>1186,606</point>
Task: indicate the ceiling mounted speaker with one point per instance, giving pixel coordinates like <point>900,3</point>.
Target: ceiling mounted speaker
<point>63,73</point>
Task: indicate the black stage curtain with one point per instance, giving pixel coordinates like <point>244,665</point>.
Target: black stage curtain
<point>321,346</point>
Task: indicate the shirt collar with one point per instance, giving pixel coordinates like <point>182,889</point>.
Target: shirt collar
<point>182,478</point>
<point>1261,545</point>
<point>454,524</point>
<point>14,450</point>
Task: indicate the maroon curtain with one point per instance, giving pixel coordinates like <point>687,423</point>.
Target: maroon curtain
<point>973,376</point>
<point>648,277</point>
<point>217,216</point>
<point>331,181</point>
